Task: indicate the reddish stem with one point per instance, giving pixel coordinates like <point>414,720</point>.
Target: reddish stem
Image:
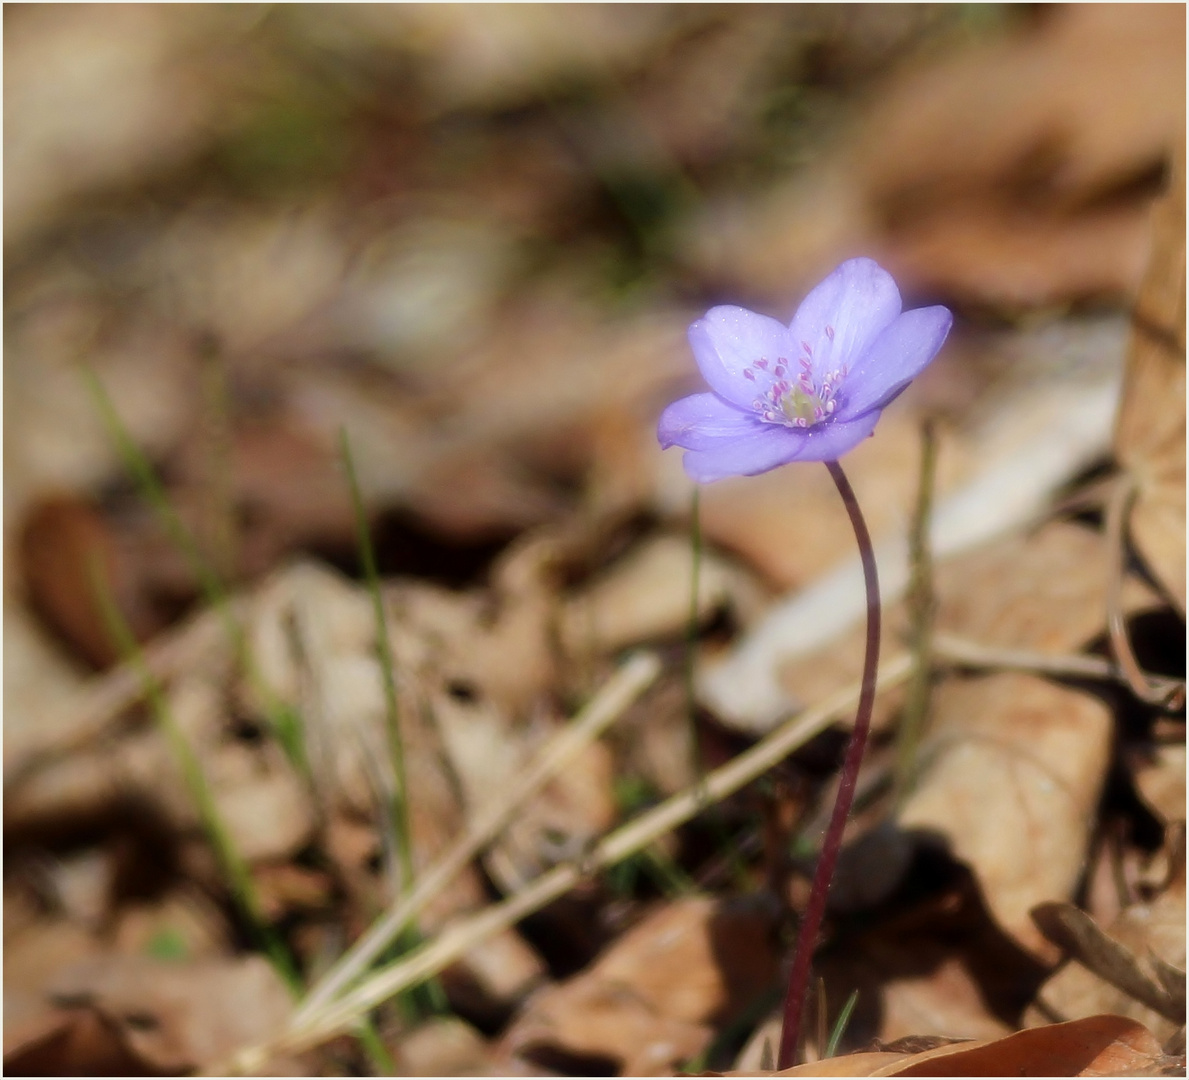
<point>794,1003</point>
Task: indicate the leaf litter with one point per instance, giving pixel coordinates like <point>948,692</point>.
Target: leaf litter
<point>473,239</point>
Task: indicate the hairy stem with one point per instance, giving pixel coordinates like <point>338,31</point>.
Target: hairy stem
<point>794,1004</point>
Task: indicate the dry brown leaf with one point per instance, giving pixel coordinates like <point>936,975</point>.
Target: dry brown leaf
<point>80,1043</point>
<point>255,788</point>
<point>444,1046</point>
<point>187,920</point>
<point>1043,591</point>
<point>497,57</point>
<point>656,739</point>
<point>652,1000</point>
<point>1096,1046</point>
<point>174,1016</point>
<point>457,740</point>
<point>1150,431</point>
<point>946,1000</point>
<point>1159,774</point>
<point>646,596</point>
<point>67,554</point>
<point>937,966</point>
<point>31,960</point>
<point>1035,752</point>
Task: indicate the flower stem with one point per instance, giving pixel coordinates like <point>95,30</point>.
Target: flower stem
<point>794,1003</point>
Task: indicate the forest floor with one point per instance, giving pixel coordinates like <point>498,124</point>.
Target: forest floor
<point>380,699</point>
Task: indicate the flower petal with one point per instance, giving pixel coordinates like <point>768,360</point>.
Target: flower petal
<point>700,421</point>
<point>765,449</point>
<point>774,445</point>
<point>829,441</point>
<point>897,356</point>
<point>728,341</point>
<point>843,315</point>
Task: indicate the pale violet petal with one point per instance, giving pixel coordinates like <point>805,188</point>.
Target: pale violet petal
<point>766,449</point>
<point>730,341</point>
<point>777,446</point>
<point>896,357</point>
<point>699,421</point>
<point>843,315</point>
<point>829,441</point>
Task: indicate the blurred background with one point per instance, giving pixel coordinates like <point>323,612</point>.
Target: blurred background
<point>472,237</point>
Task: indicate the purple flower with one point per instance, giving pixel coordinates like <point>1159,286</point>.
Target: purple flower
<point>809,391</point>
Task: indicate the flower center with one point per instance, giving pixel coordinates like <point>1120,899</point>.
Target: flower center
<point>801,402</point>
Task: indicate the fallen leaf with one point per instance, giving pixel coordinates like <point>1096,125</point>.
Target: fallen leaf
<point>444,1046</point>
<point>652,1000</point>
<point>1096,1046</point>
<point>32,959</point>
<point>1038,754</point>
<point>1159,774</point>
<point>646,596</point>
<point>1150,430</point>
<point>176,1016</point>
<point>936,965</point>
<point>1041,591</point>
<point>67,554</point>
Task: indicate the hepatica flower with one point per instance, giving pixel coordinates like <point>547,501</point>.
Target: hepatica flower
<point>809,391</point>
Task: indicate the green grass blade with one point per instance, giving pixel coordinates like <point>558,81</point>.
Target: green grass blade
<point>840,1024</point>
<point>398,810</point>
<point>233,866</point>
<point>284,720</point>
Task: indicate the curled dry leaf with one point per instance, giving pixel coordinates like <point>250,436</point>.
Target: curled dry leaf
<point>1119,970</point>
<point>1078,935</point>
<point>1150,431</point>
<point>653,999</point>
<point>1096,1046</point>
<point>66,552</point>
